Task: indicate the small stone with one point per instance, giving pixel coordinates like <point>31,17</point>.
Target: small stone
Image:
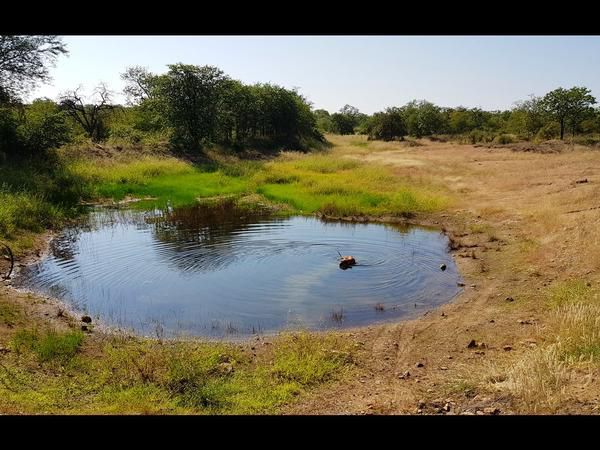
<point>84,328</point>
<point>420,364</point>
<point>491,411</point>
<point>472,344</point>
<point>492,321</point>
<point>443,267</point>
<point>507,348</point>
<point>443,368</point>
<point>446,407</point>
<point>473,285</point>
<point>444,315</point>
<point>459,284</point>
<point>86,319</point>
<point>405,375</point>
<point>510,299</point>
<point>480,413</point>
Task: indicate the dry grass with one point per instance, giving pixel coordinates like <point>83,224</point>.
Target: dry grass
<point>541,379</point>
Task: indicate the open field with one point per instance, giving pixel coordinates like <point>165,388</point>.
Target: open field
<point>525,236</point>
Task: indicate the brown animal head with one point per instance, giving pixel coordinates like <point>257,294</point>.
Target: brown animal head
<point>347,261</point>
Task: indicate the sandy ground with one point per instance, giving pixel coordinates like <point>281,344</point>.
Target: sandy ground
<point>521,221</point>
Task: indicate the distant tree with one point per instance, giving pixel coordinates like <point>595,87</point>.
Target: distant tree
<point>342,123</point>
<point>569,106</point>
<point>349,110</point>
<point>139,84</point>
<point>527,118</point>
<point>346,120</point>
<point>189,97</point>
<point>423,118</point>
<point>43,126</point>
<point>592,124</point>
<point>387,125</point>
<point>89,113</point>
<point>24,62</point>
<point>323,120</point>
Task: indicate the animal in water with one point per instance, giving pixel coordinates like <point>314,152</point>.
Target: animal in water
<point>347,261</point>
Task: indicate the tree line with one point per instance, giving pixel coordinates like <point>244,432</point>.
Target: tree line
<point>193,107</point>
<point>550,116</point>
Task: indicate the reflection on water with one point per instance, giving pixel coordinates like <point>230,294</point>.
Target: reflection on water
<point>220,271</point>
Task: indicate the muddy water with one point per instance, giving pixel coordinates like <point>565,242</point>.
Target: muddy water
<point>223,271</point>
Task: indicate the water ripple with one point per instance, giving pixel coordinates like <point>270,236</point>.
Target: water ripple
<point>204,272</point>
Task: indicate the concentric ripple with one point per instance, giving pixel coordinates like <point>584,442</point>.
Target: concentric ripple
<point>193,272</point>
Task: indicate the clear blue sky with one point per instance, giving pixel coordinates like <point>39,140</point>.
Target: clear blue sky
<point>369,72</point>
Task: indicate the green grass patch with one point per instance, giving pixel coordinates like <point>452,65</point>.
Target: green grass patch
<point>50,345</point>
<point>137,376</point>
<point>36,197</point>
<point>25,211</point>
<point>339,186</point>
<point>570,292</point>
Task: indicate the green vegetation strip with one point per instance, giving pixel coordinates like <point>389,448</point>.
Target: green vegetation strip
<point>325,183</point>
<point>58,372</point>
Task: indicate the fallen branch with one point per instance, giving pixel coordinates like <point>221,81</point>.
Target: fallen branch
<point>580,210</point>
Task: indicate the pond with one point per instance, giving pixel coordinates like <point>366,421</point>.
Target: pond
<point>224,271</point>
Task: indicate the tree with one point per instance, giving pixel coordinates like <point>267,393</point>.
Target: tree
<point>569,107</point>
<point>387,125</point>
<point>43,127</point>
<point>190,97</point>
<point>342,123</point>
<point>423,118</point>
<point>89,115</point>
<point>24,62</point>
<point>346,119</point>
<point>324,121</point>
<point>350,111</point>
<point>139,84</point>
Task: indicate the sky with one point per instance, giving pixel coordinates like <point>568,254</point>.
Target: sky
<point>368,72</point>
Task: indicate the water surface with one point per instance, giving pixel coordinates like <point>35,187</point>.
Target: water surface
<point>223,272</point>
